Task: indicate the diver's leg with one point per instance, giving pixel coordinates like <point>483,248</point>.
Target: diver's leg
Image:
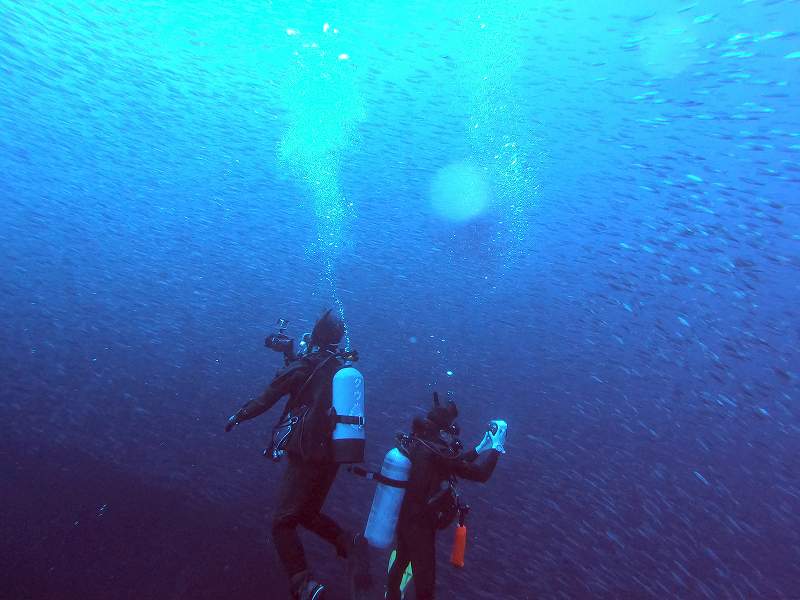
<point>292,497</point>
<point>422,549</point>
<point>401,560</point>
<point>321,478</point>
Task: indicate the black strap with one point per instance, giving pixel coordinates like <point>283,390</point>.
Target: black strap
<point>463,511</point>
<point>362,472</point>
<point>437,451</point>
<point>350,419</point>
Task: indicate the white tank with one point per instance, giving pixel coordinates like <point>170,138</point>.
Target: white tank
<point>385,511</point>
<point>348,437</point>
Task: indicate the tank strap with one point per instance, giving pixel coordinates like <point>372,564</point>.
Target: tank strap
<point>362,472</point>
<point>350,420</point>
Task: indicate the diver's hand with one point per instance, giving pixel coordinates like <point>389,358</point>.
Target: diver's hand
<point>494,438</point>
<point>497,429</point>
<point>233,421</point>
<point>485,445</point>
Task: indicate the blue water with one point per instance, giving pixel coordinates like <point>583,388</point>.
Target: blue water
<point>584,220</point>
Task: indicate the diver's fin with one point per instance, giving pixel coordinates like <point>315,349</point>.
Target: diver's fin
<point>407,576</point>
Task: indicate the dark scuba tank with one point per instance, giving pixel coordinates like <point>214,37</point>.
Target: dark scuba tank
<point>348,438</point>
<point>389,494</point>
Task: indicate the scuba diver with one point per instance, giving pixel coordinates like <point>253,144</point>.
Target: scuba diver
<point>319,382</point>
<point>431,501</point>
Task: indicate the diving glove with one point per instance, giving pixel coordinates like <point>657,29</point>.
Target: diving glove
<point>494,438</point>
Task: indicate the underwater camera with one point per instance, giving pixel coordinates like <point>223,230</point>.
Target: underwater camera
<point>280,342</point>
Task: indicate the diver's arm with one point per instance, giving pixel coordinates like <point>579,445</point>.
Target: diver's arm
<point>470,456</point>
<point>279,387</point>
<point>476,470</point>
<point>261,404</point>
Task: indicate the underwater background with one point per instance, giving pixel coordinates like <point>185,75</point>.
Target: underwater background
<point>580,217</point>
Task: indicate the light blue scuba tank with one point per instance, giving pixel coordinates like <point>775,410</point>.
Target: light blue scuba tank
<point>389,494</point>
<point>348,438</point>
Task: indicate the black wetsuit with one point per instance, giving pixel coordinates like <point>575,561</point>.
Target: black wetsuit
<point>310,473</point>
<point>416,531</point>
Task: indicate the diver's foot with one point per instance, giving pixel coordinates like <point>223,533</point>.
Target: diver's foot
<point>313,591</point>
<point>305,587</point>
